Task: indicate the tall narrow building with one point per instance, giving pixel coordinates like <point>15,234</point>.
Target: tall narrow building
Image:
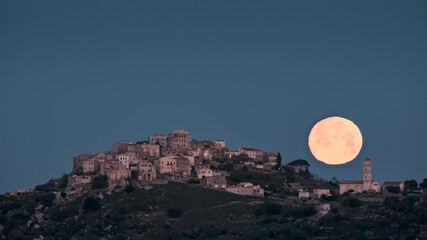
<point>367,176</point>
<point>364,185</point>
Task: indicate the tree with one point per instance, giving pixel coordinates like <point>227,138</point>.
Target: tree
<point>279,161</point>
<point>100,182</point>
<point>91,204</point>
<point>393,189</point>
<point>46,199</point>
<point>410,185</point>
<point>63,194</point>
<point>134,174</point>
<point>129,188</point>
<point>64,181</point>
<point>351,202</point>
<point>391,202</point>
<point>423,184</point>
<point>301,164</point>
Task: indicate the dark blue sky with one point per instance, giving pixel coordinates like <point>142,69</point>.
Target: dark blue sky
<point>79,76</point>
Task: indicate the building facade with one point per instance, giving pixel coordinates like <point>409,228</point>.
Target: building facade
<point>179,139</point>
<point>365,185</point>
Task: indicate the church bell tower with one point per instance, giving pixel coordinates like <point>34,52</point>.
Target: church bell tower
<point>367,177</point>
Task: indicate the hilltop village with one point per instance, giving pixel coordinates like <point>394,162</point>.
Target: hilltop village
<point>175,157</point>
<point>209,163</point>
<point>174,187</point>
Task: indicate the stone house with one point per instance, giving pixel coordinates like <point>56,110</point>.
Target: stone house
<point>216,181</point>
<point>304,195</point>
<point>179,139</point>
<point>147,171</point>
<point>159,139</point>
<point>398,184</point>
<point>166,165</point>
<point>323,209</point>
<point>247,189</point>
<point>77,162</point>
<point>116,172</point>
<point>317,193</point>
<point>204,172</point>
<point>145,150</point>
<point>253,153</point>
<point>78,181</point>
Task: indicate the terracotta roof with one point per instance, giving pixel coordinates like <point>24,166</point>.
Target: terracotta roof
<point>392,183</point>
<point>250,149</point>
<point>352,182</point>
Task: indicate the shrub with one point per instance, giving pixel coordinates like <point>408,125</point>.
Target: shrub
<point>174,212</point>
<point>59,215</point>
<point>129,188</point>
<point>10,206</point>
<point>193,181</point>
<point>46,199</point>
<point>134,175</point>
<point>391,202</point>
<point>332,197</point>
<point>91,204</point>
<point>269,208</point>
<point>299,212</point>
<point>351,202</point>
<point>100,182</point>
<point>393,189</point>
<point>63,195</point>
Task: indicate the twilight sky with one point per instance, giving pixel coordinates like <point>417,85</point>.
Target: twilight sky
<point>79,76</point>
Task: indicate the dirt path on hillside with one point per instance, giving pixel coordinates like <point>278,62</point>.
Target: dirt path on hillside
<point>227,204</point>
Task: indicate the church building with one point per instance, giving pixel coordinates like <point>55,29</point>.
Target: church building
<point>365,185</point>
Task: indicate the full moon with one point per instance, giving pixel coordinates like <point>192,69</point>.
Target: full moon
<point>335,140</point>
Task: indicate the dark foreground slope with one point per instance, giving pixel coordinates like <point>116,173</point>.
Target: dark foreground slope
<point>183,211</point>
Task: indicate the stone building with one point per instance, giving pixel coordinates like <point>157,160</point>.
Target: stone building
<point>146,171</point>
<point>121,148</point>
<point>253,153</point>
<point>116,172</point>
<point>183,167</point>
<point>159,139</point>
<point>204,172</point>
<point>169,152</point>
<point>78,162</point>
<point>397,184</point>
<point>247,189</point>
<point>146,150</point>
<point>317,193</point>
<point>78,181</point>
<point>166,165</point>
<point>179,139</point>
<point>365,185</point>
<point>217,181</point>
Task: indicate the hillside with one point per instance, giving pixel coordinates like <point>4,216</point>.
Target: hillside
<point>184,211</point>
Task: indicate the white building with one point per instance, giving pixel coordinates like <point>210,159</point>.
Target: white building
<point>247,189</point>
<point>323,209</point>
<point>304,194</point>
<point>317,193</point>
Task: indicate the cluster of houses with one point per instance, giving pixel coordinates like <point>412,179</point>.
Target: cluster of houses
<point>358,186</point>
<point>175,157</point>
<point>367,184</point>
